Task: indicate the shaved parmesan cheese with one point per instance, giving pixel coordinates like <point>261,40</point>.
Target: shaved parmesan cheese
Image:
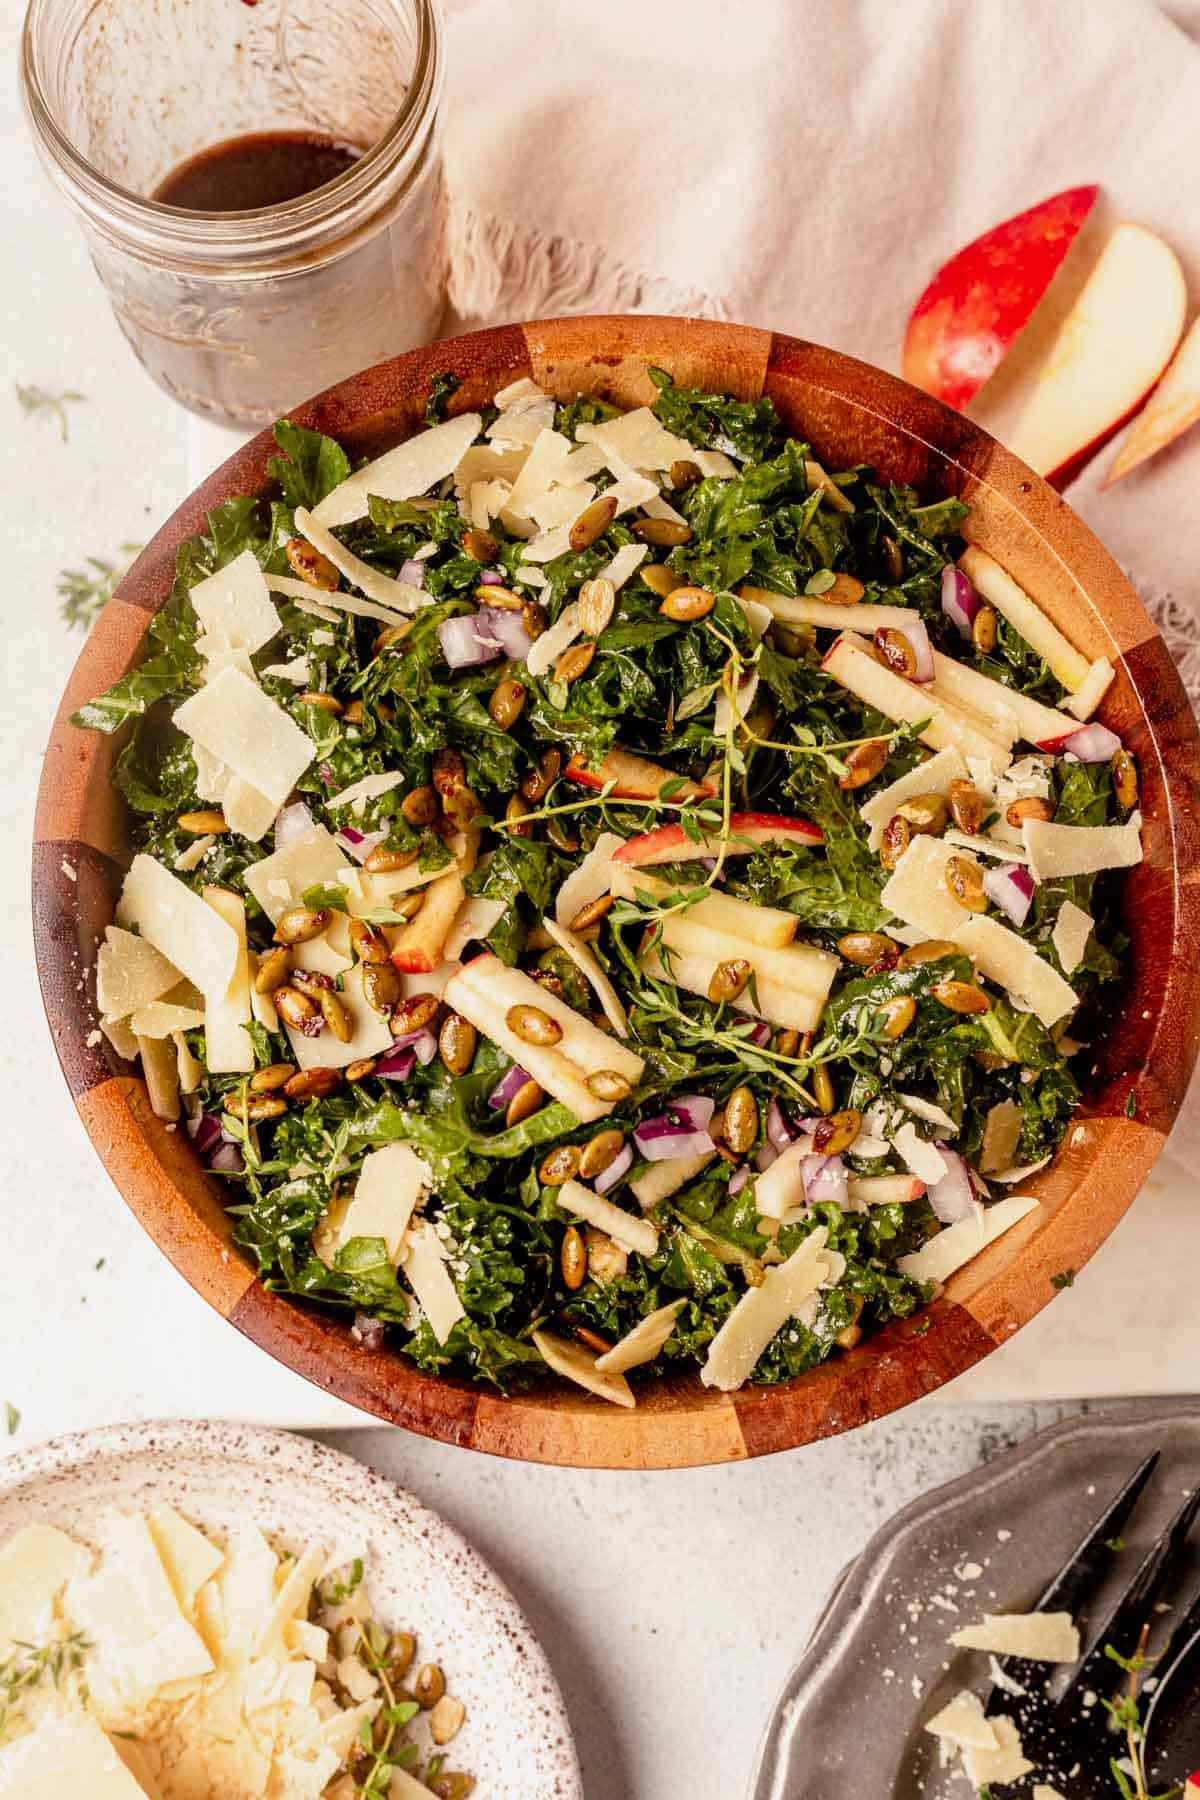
<point>919,1156</point>
<point>758,616</point>
<point>1042,1792</point>
<point>401,596</point>
<point>411,468</point>
<point>916,891</point>
<point>278,881</point>
<point>534,578</point>
<point>392,1183</point>
<point>662,1179</point>
<point>227,1046</point>
<point>955,1245</point>
<point>334,606</point>
<point>1008,960</point>
<point>369,788</point>
<point>996,1768</point>
<point>643,1343</point>
<point>483,464</point>
<point>781,1187</point>
<point>590,880</point>
<point>540,471</point>
<point>547,649</point>
<point>312,607</point>
<point>234,720</point>
<point>162,1018</point>
<point>522,424</point>
<point>1072,929</point>
<point>562,505</point>
<point>658,508</point>
<point>487,501</point>
<point>1025,616</point>
<point>189,1071</point>
<point>66,1756</point>
<point>194,855</point>
<point>1056,850</point>
<point>520,393</point>
<point>927,1110</point>
<point>248,812</point>
<point>298,671</point>
<point>963,1721</point>
<point>986,846</point>
<point>121,1038</point>
<point>933,776</point>
<point>631,1233</point>
<point>234,605</point>
<point>130,973</point>
<point>625,562</point>
<point>818,478</point>
<point>631,490</point>
<point>1001,1134</point>
<point>177,922</point>
<point>476,918</point>
<point>714,463</point>
<point>1035,1636</point>
<point>763,1311</point>
<point>1091,690</point>
<point>212,777</point>
<point>548,544</point>
<point>588,964</point>
<point>576,1364</point>
<point>638,440</point>
<point>188,1557</point>
<point>36,1564</point>
<point>426,1273</point>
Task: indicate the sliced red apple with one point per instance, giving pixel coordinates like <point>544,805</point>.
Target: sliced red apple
<point>719,912</point>
<point>976,305</point>
<point>420,946</point>
<point>885,1190</point>
<point>786,1007</point>
<point>747,832</point>
<point>1172,409</point>
<point>799,966</point>
<point>634,778</point>
<point>1109,352</point>
<point>852,663</point>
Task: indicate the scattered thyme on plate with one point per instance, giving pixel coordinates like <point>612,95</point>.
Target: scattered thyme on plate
<point>612,894</point>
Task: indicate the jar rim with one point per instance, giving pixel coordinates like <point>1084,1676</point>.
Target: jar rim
<point>259,234</point>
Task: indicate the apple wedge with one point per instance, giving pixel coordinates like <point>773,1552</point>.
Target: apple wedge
<point>739,919</point>
<point>472,993</point>
<point>1172,409</point>
<point>992,700</point>
<point>747,832</point>
<point>884,1190</point>
<point>851,663</point>
<point>978,303</point>
<point>421,944</point>
<point>1109,352</point>
<point>1086,682</point>
<point>783,1006</point>
<point>829,615</point>
<point>634,778</point>
<point>800,966</point>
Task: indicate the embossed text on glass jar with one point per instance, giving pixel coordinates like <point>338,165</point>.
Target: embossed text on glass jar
<point>239,315</point>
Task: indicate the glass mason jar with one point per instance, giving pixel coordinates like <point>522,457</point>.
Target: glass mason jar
<point>239,315</point>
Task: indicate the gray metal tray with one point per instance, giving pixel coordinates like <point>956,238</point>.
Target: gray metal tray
<point>848,1721</point>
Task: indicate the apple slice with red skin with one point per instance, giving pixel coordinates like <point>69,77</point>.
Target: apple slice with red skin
<point>1172,409</point>
<point>635,778</point>
<point>975,307</point>
<point>747,832</point>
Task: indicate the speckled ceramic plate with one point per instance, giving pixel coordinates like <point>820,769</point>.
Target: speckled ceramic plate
<point>420,1572</point>
<point>877,1666</point>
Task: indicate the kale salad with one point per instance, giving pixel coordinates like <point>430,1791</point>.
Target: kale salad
<point>611,894</point>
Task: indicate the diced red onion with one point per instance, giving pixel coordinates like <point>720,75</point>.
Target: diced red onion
<point>1011,888</point>
<point>692,1110</point>
<point>422,1043</point>
<point>620,1165</point>
<point>205,1132</point>
<point>824,1179</point>
<point>681,1131</point>
<point>779,1131</point>
<point>766,1156</point>
<point>358,845</point>
<point>960,602</point>
<point>738,1182</point>
<point>397,1065</point>
<point>462,644</point>
<point>492,578</point>
<point>326,774</point>
<point>759,1035</point>
<point>507,1088</point>
<point>953,1197</point>
<point>292,823</point>
<point>508,630</point>
<point>226,1159</point>
<point>413,571</point>
<point>1091,743</point>
<point>368,1332</point>
<point>917,637</point>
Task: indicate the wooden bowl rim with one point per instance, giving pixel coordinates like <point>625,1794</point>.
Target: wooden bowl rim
<point>678,1422</point>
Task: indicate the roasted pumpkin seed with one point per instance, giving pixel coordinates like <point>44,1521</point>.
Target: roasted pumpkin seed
<point>358,1071</point>
<point>729,979</point>
<point>532,1025</point>
<point>209,823</point>
<point>414,1014</point>
<point>863,763</point>
<point>927,951</point>
<point>926,815</point>
<point>300,924</point>
<point>1124,780</point>
<point>561,836</point>
<point>897,1015</point>
<point>456,1043</point>
<point>507,703</point>
<point>514,814</point>
<point>572,1258</point>
<point>601,1152</point>
<point>480,545</point>
<point>381,987</point>
<point>845,591</point>
<point>687,604</point>
<point>504,599</point>
<point>333,1007</point>
<point>313,1084</point>
<point>429,1686</point>
<point>321,702</point>
<point>593,912</point>
<point>297,1010</point>
<point>596,605</point>
<point>592,1339</point>
<point>1032,806</point>
<point>533,617</point>
<point>525,1102</point>
<point>537,784</point>
<point>607,1084</point>
<point>309,564</point>
<point>893,557</point>
<point>407,906</point>
<point>964,878</point>
<point>660,579</point>
<point>449,772</point>
<point>664,533</point>
<point>985,629</point>
<point>562,1164</point>
<point>684,474</point>
<point>837,1132</point>
<point>822,1085</point>
<point>254,1109</point>
<point>382,861</point>
<point>420,806</point>
<point>390,636</point>
<point>455,1786</point>
<point>786,1042</point>
<point>368,942</point>
<point>894,841</point>
<point>593,522</point>
<point>896,652</point>
<point>968,808</point>
<point>739,1127</point>
<point>864,947</point>
<point>268,1080</point>
<point>960,996</point>
<point>273,970</point>
<point>574,662</point>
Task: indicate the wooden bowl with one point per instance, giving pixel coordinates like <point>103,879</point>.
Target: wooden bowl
<point>850,413</point>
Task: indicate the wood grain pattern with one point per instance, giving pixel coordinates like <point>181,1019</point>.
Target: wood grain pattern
<point>850,413</point>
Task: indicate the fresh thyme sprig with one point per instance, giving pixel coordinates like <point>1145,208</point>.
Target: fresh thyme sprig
<point>84,592</point>
<point>1126,1715</point>
<point>393,1716</point>
<point>28,1665</point>
<point>33,399</point>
